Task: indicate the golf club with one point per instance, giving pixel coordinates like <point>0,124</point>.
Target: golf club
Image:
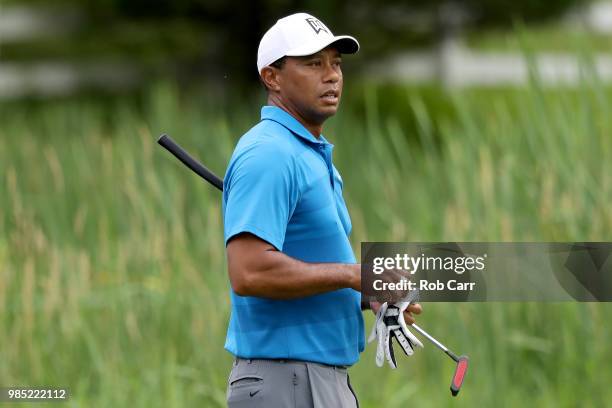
<point>170,145</point>
<point>178,152</point>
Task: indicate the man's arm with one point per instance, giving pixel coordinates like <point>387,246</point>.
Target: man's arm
<point>256,268</point>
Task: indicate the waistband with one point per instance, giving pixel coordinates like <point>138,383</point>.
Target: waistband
<point>237,360</point>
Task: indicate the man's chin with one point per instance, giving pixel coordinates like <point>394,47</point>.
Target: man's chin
<point>328,110</point>
<point>321,113</point>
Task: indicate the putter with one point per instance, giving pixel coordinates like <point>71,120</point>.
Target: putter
<point>197,167</point>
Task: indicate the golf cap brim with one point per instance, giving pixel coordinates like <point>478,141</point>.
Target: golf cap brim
<point>299,35</point>
<point>345,44</point>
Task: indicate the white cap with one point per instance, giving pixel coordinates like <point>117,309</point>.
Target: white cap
<point>298,35</point>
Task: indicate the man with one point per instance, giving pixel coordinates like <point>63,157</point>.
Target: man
<point>296,322</point>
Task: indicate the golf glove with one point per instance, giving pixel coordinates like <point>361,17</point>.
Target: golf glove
<point>390,324</point>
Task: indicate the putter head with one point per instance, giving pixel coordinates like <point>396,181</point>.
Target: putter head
<point>460,370</point>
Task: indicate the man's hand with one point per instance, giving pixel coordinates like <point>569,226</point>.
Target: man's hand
<point>390,286</point>
<point>413,309</point>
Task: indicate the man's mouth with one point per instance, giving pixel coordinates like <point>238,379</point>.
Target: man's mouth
<point>330,96</point>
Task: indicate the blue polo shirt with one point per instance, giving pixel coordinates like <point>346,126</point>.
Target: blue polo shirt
<point>282,187</point>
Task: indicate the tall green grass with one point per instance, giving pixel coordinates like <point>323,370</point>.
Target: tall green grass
<point>112,265</point>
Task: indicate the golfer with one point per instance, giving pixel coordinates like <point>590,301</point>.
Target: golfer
<point>296,323</point>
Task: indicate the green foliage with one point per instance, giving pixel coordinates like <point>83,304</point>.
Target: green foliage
<point>112,265</point>
<point>147,42</point>
<point>493,12</point>
<point>220,38</point>
<point>542,37</point>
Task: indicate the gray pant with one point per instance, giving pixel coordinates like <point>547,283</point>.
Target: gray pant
<point>288,384</point>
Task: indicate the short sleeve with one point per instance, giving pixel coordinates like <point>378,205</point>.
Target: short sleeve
<point>260,193</point>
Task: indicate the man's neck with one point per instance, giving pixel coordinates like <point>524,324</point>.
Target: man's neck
<point>314,129</point>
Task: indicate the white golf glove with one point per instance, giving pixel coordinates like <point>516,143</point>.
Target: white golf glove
<point>390,324</point>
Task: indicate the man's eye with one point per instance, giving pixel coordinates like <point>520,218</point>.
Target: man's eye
<point>314,63</point>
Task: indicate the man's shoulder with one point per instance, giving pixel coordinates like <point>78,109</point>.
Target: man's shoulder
<point>267,151</point>
<point>267,140</point>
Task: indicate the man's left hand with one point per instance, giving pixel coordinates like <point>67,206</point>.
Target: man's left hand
<point>413,309</point>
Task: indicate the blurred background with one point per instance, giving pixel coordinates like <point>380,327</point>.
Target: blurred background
<point>461,121</point>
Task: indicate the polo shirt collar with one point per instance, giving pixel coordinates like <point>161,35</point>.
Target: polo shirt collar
<point>284,118</point>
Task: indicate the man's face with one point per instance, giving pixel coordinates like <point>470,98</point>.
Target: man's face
<point>312,85</point>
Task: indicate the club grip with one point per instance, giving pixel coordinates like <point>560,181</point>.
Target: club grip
<point>178,152</point>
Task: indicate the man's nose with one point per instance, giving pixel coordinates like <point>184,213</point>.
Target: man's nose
<point>331,74</point>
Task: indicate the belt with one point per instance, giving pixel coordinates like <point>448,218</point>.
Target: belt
<point>288,361</point>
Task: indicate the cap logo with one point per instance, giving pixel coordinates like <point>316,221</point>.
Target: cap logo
<point>317,25</point>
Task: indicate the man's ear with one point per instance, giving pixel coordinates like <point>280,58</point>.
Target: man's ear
<point>270,78</point>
